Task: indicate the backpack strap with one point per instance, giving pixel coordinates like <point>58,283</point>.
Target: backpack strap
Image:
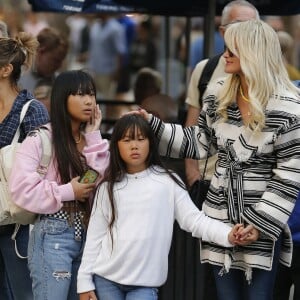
<point>42,169</point>
<point>206,75</point>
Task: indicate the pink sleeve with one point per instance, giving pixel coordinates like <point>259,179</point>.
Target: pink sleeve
<point>29,189</point>
<point>96,152</point>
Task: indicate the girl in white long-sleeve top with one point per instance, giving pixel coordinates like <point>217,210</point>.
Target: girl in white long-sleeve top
<point>131,225</point>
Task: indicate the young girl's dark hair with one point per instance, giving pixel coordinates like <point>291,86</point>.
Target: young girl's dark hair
<point>69,160</point>
<point>130,125</point>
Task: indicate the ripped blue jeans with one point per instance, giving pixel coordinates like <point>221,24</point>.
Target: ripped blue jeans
<point>54,257</point>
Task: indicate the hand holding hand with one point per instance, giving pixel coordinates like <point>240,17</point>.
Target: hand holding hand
<point>82,191</point>
<point>88,296</point>
<point>247,235</point>
<point>233,234</point>
<point>95,121</point>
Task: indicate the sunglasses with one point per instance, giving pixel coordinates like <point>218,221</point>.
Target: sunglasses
<point>229,51</point>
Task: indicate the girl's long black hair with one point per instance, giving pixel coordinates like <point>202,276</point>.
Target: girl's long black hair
<point>117,168</point>
<point>69,159</point>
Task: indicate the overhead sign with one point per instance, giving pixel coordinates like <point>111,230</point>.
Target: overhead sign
<point>162,7</point>
<point>201,7</point>
<point>81,6</point>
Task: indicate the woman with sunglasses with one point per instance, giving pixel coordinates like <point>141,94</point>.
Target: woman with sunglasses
<point>252,119</point>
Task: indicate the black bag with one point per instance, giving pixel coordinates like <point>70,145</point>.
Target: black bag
<point>198,191</point>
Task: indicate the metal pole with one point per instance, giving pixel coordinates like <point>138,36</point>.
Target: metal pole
<point>167,54</point>
<point>209,29</point>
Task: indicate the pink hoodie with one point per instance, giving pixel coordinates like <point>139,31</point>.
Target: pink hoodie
<point>44,195</point>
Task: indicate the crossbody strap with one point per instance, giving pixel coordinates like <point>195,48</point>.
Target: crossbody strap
<point>202,85</point>
<point>206,160</point>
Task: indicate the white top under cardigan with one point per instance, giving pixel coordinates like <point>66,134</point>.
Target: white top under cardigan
<point>147,203</point>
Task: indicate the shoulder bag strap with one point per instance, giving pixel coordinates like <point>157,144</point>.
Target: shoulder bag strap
<point>22,115</point>
<point>202,85</point>
<point>206,161</point>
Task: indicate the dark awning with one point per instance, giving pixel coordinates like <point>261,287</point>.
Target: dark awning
<point>164,7</point>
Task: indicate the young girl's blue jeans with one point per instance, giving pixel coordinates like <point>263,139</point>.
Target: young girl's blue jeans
<point>109,290</point>
<point>54,257</point>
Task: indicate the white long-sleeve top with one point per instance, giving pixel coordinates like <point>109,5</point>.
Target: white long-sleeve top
<point>147,203</point>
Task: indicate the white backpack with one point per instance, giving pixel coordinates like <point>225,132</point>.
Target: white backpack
<point>10,213</point>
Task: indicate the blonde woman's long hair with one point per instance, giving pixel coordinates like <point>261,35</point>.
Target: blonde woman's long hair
<point>257,46</point>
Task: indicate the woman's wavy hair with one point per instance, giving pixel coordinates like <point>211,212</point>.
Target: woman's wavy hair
<point>69,160</point>
<point>257,46</point>
<point>130,125</point>
<point>18,52</point>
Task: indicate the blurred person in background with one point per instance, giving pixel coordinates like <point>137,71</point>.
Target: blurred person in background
<point>287,45</point>
<point>3,29</point>
<point>148,82</point>
<point>197,46</point>
<point>52,50</point>
<point>34,22</point>
<point>143,52</point>
<point>107,47</point>
<point>42,92</point>
<point>129,26</point>
<point>76,23</point>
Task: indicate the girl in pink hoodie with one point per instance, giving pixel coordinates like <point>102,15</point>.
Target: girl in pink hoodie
<point>60,200</point>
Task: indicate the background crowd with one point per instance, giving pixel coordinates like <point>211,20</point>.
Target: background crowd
<point>133,42</point>
<point>125,57</point>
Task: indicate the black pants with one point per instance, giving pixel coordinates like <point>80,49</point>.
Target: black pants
<point>286,277</point>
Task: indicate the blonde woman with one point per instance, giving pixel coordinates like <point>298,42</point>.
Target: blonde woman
<point>252,121</point>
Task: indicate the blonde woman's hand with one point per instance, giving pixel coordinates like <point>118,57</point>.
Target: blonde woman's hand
<point>142,112</point>
<point>95,120</point>
<point>82,191</point>
<point>88,296</point>
<point>233,234</point>
<point>247,235</point>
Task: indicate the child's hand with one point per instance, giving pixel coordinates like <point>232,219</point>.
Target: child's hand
<point>88,296</point>
<point>95,121</point>
<point>247,235</point>
<point>82,191</point>
<point>233,234</point>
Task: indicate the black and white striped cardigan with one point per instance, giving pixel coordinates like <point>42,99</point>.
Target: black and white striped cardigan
<point>256,178</point>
